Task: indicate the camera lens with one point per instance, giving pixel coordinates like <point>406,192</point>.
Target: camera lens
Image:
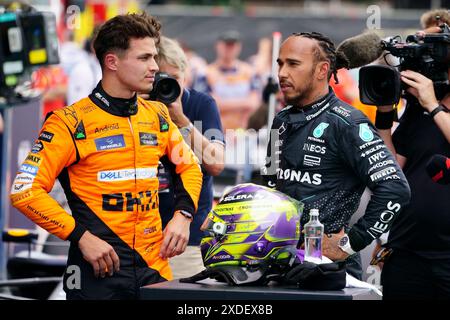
<point>165,88</point>
<point>379,85</point>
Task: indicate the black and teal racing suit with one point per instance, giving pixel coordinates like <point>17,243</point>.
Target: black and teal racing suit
<point>325,155</point>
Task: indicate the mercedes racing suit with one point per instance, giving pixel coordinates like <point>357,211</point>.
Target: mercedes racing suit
<point>105,152</point>
<point>325,154</point>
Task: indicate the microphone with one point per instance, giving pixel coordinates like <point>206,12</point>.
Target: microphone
<point>361,50</point>
<point>438,168</point>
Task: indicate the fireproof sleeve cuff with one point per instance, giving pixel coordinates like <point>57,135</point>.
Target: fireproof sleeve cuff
<point>186,205</point>
<point>356,241</point>
<point>77,233</point>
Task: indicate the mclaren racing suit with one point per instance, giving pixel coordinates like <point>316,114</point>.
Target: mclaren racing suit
<point>105,152</point>
<point>325,154</point>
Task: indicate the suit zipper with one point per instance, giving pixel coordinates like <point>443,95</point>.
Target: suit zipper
<point>135,175</point>
<point>135,189</point>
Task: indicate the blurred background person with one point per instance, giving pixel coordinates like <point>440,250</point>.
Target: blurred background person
<point>52,81</point>
<point>262,62</point>
<point>81,67</point>
<point>431,21</point>
<point>208,144</point>
<point>258,119</point>
<point>196,69</point>
<point>232,83</point>
<point>84,74</point>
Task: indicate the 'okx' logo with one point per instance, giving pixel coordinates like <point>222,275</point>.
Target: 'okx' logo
<point>145,201</point>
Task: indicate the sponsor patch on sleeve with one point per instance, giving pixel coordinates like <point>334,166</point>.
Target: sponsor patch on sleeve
<point>383,173</point>
<point>46,136</point>
<point>37,147</point>
<point>34,159</point>
<point>20,187</point>
<point>24,178</point>
<point>28,168</point>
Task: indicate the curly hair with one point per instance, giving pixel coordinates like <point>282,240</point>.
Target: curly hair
<point>429,18</point>
<point>115,34</point>
<point>326,51</point>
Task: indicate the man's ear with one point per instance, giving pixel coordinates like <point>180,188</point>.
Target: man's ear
<point>111,61</point>
<point>322,69</point>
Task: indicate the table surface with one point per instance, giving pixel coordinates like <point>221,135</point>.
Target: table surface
<point>210,289</point>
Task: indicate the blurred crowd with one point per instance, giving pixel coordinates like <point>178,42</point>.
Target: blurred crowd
<point>240,87</point>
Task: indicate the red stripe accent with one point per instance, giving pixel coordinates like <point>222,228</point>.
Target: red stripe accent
<point>439,176</point>
<point>448,163</point>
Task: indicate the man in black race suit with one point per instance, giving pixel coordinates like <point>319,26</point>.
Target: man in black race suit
<point>324,152</point>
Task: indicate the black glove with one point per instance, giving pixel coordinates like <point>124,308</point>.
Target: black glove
<point>311,276</point>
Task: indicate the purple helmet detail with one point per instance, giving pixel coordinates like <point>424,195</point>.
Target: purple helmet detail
<point>250,224</point>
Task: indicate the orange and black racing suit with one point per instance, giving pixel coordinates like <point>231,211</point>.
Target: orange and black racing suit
<point>105,152</point>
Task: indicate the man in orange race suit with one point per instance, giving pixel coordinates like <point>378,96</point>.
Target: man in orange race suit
<point>105,149</point>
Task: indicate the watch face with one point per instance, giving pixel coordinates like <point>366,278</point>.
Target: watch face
<point>343,241</point>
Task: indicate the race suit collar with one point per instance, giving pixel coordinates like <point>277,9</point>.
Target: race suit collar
<point>318,103</point>
<point>116,106</point>
<point>312,110</point>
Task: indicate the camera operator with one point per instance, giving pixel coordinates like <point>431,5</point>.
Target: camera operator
<point>432,21</point>
<point>418,263</point>
<point>208,144</point>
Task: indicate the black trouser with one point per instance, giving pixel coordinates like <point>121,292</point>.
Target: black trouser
<point>354,266</point>
<point>123,285</point>
<point>408,276</point>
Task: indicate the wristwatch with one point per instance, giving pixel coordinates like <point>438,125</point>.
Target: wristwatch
<point>186,214</point>
<point>185,131</point>
<point>344,244</point>
<point>439,108</point>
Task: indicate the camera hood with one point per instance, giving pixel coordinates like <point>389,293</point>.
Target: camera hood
<point>379,85</point>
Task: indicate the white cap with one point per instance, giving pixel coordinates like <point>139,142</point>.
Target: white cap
<point>314,212</point>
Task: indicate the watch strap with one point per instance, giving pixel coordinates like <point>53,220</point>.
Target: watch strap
<point>186,214</point>
<point>186,130</point>
<point>439,108</point>
<point>347,248</point>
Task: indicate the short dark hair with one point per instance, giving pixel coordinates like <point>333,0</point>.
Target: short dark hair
<point>115,34</point>
<point>326,51</point>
